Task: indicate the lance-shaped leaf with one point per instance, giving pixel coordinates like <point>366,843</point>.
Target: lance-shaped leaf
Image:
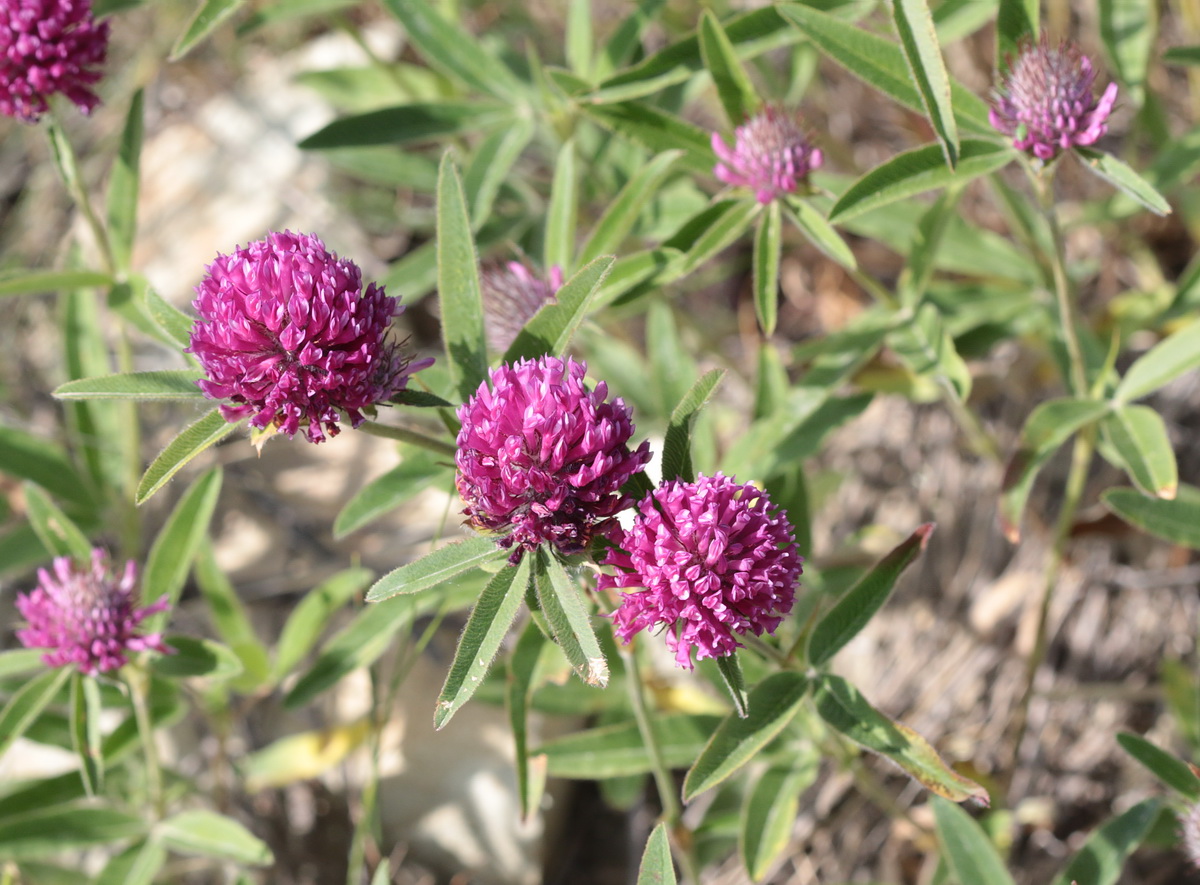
<point>730,668</point>
<point>57,532</point>
<point>1176,520</point>
<point>767,242</point>
<point>48,832</point>
<point>618,750</point>
<point>408,123</point>
<point>175,384</point>
<point>734,88</point>
<point>562,212</point>
<point>1016,21</point>
<point>458,285</point>
<point>1128,29</point>
<point>820,232</point>
<point>927,349</point>
<point>1139,437</point>
<point>854,610</point>
<point>490,166</point>
<point>657,131</point>
<point>1161,364</point>
<point>175,324</point>
<point>207,18</point>
<point>841,705</point>
<point>123,186</point>
<point>434,568</point>
<point>208,834</point>
<point>966,848</point>
<point>623,210</point>
<point>191,441</point>
<point>656,867</point>
<point>138,864</point>
<point>85,731</point>
<point>918,39</point>
<point>551,328</point>
<point>677,445</point>
<point>489,623</point>
<point>230,619</point>
<point>28,702</point>
<point>769,813</point>
<point>773,703</point>
<point>1103,855</point>
<point>311,616</point>
<point>193,657</point>
<point>926,240</point>
<point>384,494</point>
<point>1121,176</point>
<point>1167,767</point>
<point>566,612</point>
<point>28,282</point>
<point>518,691</point>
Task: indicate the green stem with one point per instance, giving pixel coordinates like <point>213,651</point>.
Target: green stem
<point>977,437</point>
<point>415,437</point>
<point>68,168</point>
<point>138,681</point>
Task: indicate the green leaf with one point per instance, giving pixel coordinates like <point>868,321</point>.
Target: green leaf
<point>769,812</point>
<point>210,429</point>
<point>208,834</point>
<point>618,750</point>
<point>306,622</point>
<point>773,704</point>
<point>518,691</point>
<point>20,661</point>
<point>1176,520</point>
<point>923,251</point>
<point>709,233</point>
<point>1139,436</point>
<point>49,832</point>
<point>176,324</point>
<point>58,534</point>
<point>561,214</point>
<point>206,19</point>
<point>1049,426</point>
<point>551,328</point>
<point>292,10</point>
<point>491,165</point>
<point>579,36</point>
<point>175,384</point>
<point>177,543</point>
<point>624,210</point>
<point>196,657</point>
<point>27,703</point>
<point>656,867</point>
<point>86,710</point>
<point>971,856</point>
<point>229,617</point>
<point>136,865</point>
<point>730,668</point>
<point>384,494</point>
<point>436,567</point>
<point>1016,21</point>
<point>734,88</point>
<point>657,131</point>
<point>767,243</point>
<point>486,628</point>
<point>1167,767</point>
<point>854,610</point>
<point>1121,176</point>
<point>1102,857</point>
<point>841,705</point>
<point>123,186</point>
<point>1128,29</point>
<point>1182,55</point>
<point>566,612</point>
<point>31,282</point>
<point>404,124</point>
<point>677,444</point>
<point>820,232</point>
<point>1161,364</point>
<point>918,39</point>
<point>458,285</point>
<point>924,345</point>
<point>915,171</point>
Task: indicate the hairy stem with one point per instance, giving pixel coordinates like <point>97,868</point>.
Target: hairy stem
<point>415,437</point>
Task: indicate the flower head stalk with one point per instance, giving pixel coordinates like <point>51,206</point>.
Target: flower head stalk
<point>288,337</point>
<point>1045,102</point>
<point>771,155</point>
<point>542,458</point>
<point>708,560</point>
<point>87,616</point>
<point>512,294</point>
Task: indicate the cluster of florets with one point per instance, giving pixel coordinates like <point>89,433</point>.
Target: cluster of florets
<point>1045,102</point>
<point>87,615</point>
<point>48,47</point>
<point>771,155</point>
<point>288,336</point>
<point>708,560</point>
<point>512,294</point>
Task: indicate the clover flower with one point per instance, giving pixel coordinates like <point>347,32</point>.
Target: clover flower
<point>771,155</point>
<point>87,615</point>
<point>1045,102</point>
<point>710,560</point>
<point>541,458</point>
<point>289,337</point>
<point>49,46</point>
<point>512,294</point>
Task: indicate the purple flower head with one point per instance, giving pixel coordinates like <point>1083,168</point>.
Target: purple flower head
<point>710,560</point>
<point>87,615</point>
<point>542,459</point>
<point>512,294</point>
<point>1045,102</point>
<point>288,336</point>
<point>771,155</point>
<point>49,46</point>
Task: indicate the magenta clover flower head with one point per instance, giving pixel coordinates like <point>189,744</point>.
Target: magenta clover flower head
<point>541,458</point>
<point>87,615</point>
<point>710,560</point>
<point>49,46</point>
<point>512,294</point>
<point>771,155</point>
<point>1045,102</point>
<point>289,337</point>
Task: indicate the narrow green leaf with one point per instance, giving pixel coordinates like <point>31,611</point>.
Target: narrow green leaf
<point>208,834</point>
<point>618,750</point>
<point>20,661</point>
<point>210,429</point>
<point>566,612</point>
<point>136,865</point>
<point>1176,520</point>
<point>1182,55</point>
<point>841,705</point>
<point>407,123</point>
<point>1167,767</point>
<point>31,282</point>
<point>623,211</point>
<point>290,11</point>
<point>551,328</point>
<point>207,18</point>
<point>820,232</point>
<point>48,832</point>
<point>28,702</point>
<point>490,167</point>
<point>384,494</point>
<point>734,88</point>
<point>101,433</point>
<point>1103,855</point>
<point>918,39</point>
<point>518,690</point>
<point>718,227</point>
<point>923,250</point>
<point>854,610</point>
<point>40,460</point>
<point>769,813</point>
<point>486,628</point>
<point>657,131</point>
<point>926,348</point>
<point>677,444</point>
<point>656,867</point>
<point>306,622</point>
<point>562,212</point>
<point>1128,29</point>
<point>579,37</point>
<point>174,322</point>
<point>177,543</point>
<point>767,244</point>
<point>773,703</point>
<point>1161,364</point>
<point>85,731</point>
<point>1016,21</point>
<point>196,657</point>
<point>730,668</point>
<point>230,619</point>
<point>1121,176</point>
<point>458,285</point>
<point>174,384</point>
<point>436,567</point>
<point>967,850</point>
<point>58,534</point>
<point>913,172</point>
<point>123,185</point>
<point>1139,436</point>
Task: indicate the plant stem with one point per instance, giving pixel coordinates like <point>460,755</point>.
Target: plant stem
<point>415,437</point>
<point>138,681</point>
<point>68,168</point>
<point>1044,185</point>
